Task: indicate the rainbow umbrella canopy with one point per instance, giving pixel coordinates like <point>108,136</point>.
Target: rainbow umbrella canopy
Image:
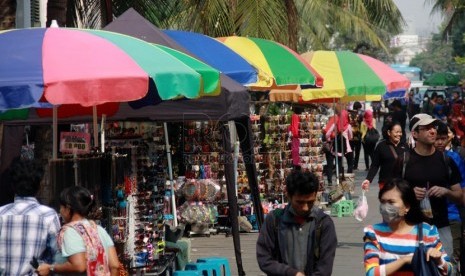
<point>59,66</point>
<point>277,65</point>
<point>217,55</point>
<point>348,76</point>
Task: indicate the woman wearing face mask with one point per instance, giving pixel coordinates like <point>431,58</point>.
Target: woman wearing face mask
<point>389,246</point>
<point>387,156</point>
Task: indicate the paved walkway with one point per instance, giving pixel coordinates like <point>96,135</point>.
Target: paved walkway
<point>349,254</point>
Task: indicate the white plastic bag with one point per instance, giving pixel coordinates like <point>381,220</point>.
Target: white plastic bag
<point>361,211</point>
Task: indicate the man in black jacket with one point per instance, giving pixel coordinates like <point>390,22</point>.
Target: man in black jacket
<point>300,239</point>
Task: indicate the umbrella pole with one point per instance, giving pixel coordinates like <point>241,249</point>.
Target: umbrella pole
<point>55,133</point>
<point>102,133</point>
<point>335,143</point>
<point>170,171</point>
<point>95,125</point>
<point>235,144</point>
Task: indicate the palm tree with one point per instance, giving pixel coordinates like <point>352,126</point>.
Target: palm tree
<point>296,23</point>
<point>454,11</point>
<point>309,24</point>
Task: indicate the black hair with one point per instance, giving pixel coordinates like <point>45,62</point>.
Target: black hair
<point>24,177</point>
<point>396,103</point>
<point>434,95</point>
<point>414,215</point>
<point>388,126</point>
<point>442,128</point>
<point>302,183</point>
<point>78,199</point>
<point>455,141</point>
<point>356,105</point>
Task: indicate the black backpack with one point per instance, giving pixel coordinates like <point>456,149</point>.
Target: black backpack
<point>371,137</point>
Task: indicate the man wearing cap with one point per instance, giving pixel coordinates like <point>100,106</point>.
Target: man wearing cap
<point>431,175</point>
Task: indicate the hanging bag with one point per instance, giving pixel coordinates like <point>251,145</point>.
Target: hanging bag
<point>420,266</point>
<point>361,211</point>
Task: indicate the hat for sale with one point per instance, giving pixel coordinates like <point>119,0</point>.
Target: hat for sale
<point>421,119</point>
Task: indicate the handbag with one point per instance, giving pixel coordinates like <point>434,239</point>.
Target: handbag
<point>420,266</point>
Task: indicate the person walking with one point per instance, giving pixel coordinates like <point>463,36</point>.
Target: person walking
<point>398,114</point>
<point>389,245</point>
<point>300,239</point>
<point>387,156</point>
<point>443,143</point>
<point>28,229</point>
<point>432,178</point>
<point>368,125</point>
<point>356,118</point>
<point>84,247</point>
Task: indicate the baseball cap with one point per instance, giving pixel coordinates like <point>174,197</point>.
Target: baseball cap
<point>421,119</point>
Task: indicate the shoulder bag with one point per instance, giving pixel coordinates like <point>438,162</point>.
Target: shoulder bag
<point>420,266</point>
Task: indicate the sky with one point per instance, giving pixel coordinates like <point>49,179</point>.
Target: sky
<point>417,15</point>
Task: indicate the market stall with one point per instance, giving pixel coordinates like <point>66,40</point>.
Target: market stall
<point>230,105</point>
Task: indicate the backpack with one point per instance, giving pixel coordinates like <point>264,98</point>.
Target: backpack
<point>355,124</point>
<point>278,213</point>
<point>371,137</point>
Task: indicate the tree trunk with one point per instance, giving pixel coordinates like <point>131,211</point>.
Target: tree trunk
<point>56,10</point>
<point>7,14</point>
<point>292,23</point>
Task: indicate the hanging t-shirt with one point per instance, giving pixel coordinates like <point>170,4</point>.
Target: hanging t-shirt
<point>433,169</point>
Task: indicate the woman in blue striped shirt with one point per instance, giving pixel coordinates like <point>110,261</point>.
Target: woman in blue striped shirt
<point>389,246</point>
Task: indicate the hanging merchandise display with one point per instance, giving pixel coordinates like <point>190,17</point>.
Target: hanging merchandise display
<point>142,202</point>
<point>287,138</point>
<point>200,186</point>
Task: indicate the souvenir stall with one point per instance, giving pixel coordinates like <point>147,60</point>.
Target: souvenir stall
<point>288,136</point>
<point>230,105</point>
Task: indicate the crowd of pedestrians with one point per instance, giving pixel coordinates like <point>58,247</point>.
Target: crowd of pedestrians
<point>421,180</point>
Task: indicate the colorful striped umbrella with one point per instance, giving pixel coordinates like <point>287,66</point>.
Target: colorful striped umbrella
<point>91,67</point>
<point>217,55</point>
<point>274,62</point>
<point>348,77</point>
<point>352,76</point>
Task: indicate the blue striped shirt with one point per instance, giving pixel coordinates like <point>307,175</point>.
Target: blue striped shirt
<point>382,247</point>
<point>27,229</point>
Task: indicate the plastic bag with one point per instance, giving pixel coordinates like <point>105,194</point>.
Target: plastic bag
<point>425,207</point>
<point>361,211</point>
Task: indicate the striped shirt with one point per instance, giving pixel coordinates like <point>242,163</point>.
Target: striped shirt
<point>383,247</point>
<point>27,229</point>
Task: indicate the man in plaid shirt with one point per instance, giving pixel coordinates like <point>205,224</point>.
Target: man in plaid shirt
<point>27,228</point>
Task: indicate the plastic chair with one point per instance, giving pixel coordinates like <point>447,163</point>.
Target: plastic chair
<point>221,263</point>
<point>205,269</point>
<point>342,208</point>
<point>186,273</point>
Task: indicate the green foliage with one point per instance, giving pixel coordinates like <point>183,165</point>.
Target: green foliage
<point>437,57</point>
<point>458,38</point>
<point>317,22</point>
<point>303,24</point>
